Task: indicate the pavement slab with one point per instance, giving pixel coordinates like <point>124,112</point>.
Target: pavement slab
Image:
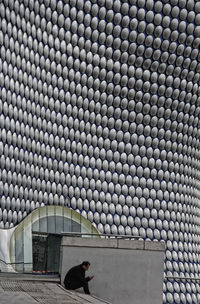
<point>14,291</point>
<point>16,297</point>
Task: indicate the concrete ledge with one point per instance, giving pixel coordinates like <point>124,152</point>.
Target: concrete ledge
<point>128,244</point>
<point>89,242</point>
<point>112,243</point>
<point>154,246</point>
<point>29,277</point>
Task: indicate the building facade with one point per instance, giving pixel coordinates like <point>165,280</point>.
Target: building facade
<point>99,111</point>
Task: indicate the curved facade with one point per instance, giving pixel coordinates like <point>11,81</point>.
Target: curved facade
<point>99,111</point>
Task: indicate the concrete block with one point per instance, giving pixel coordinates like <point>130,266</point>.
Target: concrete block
<point>89,242</point>
<point>131,244</point>
<point>121,275</point>
<point>154,246</point>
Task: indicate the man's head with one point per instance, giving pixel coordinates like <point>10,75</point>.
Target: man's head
<point>85,265</point>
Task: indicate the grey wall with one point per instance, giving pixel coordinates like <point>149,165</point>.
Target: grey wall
<point>125,271</point>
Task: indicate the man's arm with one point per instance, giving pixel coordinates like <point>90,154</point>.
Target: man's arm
<point>80,277</point>
<point>89,278</point>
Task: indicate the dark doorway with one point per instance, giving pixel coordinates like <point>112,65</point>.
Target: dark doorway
<point>46,252</point>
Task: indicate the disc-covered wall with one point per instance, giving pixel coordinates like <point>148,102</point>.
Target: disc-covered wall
<point>99,110</point>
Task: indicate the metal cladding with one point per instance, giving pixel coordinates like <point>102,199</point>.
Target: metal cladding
<point>99,110</point>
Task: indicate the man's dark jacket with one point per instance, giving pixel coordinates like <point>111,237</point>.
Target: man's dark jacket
<point>76,275</point>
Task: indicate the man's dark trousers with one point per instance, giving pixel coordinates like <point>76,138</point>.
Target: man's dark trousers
<point>76,285</point>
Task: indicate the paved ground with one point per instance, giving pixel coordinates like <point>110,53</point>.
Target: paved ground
<point>22,291</point>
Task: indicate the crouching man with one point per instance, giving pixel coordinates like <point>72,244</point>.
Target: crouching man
<point>75,277</point>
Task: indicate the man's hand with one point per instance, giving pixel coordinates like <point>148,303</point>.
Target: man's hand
<point>91,277</point>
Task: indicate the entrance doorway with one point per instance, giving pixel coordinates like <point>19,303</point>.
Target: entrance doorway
<point>46,252</point>
<point>35,242</point>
